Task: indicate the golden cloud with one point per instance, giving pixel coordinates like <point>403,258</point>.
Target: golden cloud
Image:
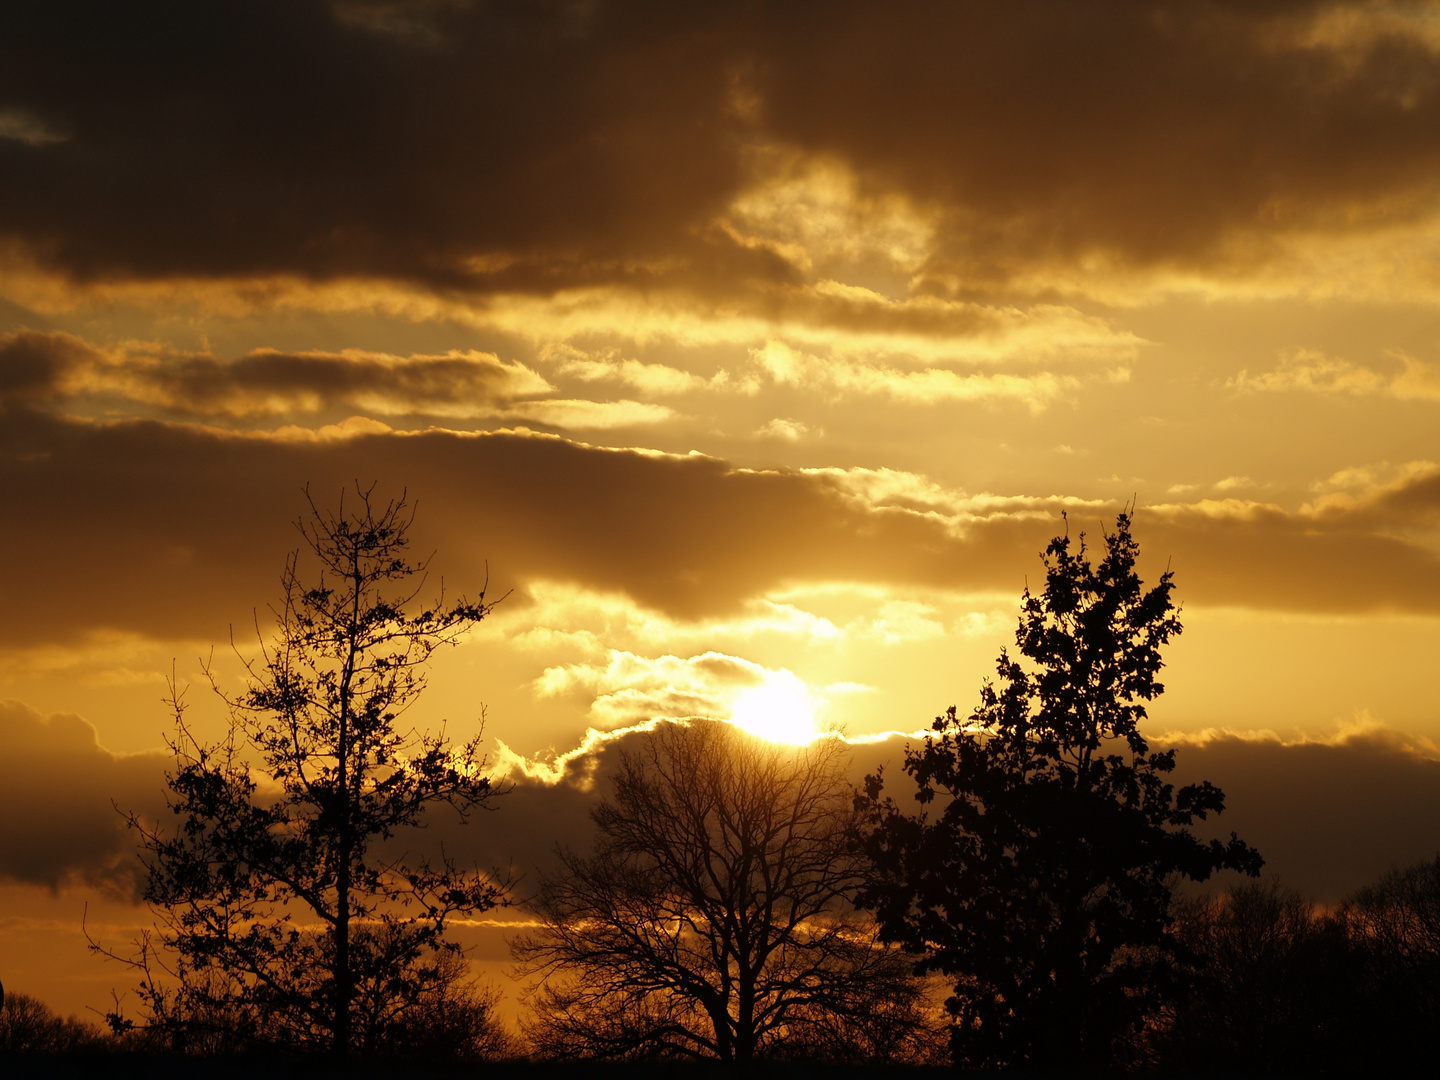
<point>265,382</point>
<point>1315,372</point>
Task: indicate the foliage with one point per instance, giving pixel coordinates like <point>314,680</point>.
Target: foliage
<point>279,920</point>
<point>1041,884</point>
<point>712,919</point>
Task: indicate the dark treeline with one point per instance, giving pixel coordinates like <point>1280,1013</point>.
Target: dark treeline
<point>1270,983</point>
<point>1025,909</point>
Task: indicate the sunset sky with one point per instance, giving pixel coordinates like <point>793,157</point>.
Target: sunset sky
<point>753,350</point>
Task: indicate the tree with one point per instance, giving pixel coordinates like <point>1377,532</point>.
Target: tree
<point>712,919</point>
<point>28,1026</point>
<point>278,918</point>
<point>1270,987</point>
<point>1042,883</point>
<point>1394,929</point>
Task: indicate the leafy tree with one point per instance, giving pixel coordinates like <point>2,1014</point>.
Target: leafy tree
<point>1037,874</point>
<point>712,919</point>
<point>278,919</point>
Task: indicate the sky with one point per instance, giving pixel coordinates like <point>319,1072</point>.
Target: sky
<point>751,353</point>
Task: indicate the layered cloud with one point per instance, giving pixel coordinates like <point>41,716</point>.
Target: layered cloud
<point>1328,814</point>
<point>264,383</point>
<point>478,389</point>
<point>195,524</point>
<point>524,148</point>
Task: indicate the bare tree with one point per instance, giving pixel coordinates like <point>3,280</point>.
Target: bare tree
<point>277,918</point>
<point>713,919</point>
<point>1394,930</point>
<point>29,1026</point>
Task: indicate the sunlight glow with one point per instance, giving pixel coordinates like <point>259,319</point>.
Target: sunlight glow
<point>780,709</point>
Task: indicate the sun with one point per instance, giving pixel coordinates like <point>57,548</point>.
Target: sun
<point>781,709</point>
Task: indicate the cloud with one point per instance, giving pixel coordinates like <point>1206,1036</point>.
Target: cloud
<point>196,523</point>
<point>652,379</point>
<point>516,148</point>
<point>266,382</point>
<point>1152,135</point>
<point>25,127</point>
<point>788,367</point>
<point>35,367</point>
<point>1308,370</point>
<point>581,415</point>
<point>1328,817</point>
<point>632,689</point>
<point>59,793</point>
<point>812,211</point>
<point>787,430</point>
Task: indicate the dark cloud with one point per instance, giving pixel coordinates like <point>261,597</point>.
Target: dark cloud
<point>562,143</point>
<point>272,382</point>
<point>1267,558</point>
<point>34,365</point>
<point>243,138</point>
<point>176,531</point>
<point>39,367</point>
<point>59,793</point>
<point>1149,130</point>
<point>1328,817</point>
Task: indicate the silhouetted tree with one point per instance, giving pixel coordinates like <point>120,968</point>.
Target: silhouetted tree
<point>1394,927</point>
<point>29,1026</point>
<point>278,921</point>
<point>1041,884</point>
<point>1270,986</point>
<point>713,918</point>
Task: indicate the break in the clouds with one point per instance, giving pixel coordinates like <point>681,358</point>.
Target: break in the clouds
<point>531,147</point>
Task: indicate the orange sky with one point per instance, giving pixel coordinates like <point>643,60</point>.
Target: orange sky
<point>756,352</point>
